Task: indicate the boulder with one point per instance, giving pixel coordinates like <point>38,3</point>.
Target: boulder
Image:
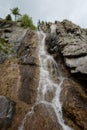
<point>5,24</point>
<point>42,117</point>
<point>7,109</point>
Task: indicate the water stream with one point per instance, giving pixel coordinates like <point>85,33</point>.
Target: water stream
<point>50,82</point>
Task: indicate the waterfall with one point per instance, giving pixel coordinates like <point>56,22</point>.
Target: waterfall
<point>50,82</point>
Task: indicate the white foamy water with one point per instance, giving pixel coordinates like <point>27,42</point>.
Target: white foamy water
<point>50,80</point>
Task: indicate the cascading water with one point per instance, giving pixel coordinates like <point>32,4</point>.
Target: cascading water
<point>50,81</point>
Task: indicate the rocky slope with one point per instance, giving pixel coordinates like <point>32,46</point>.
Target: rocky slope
<point>68,45</point>
<point>71,41</point>
<point>19,76</point>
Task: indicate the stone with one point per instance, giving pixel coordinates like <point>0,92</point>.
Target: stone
<point>77,65</point>
<point>51,43</point>
<point>43,117</point>
<point>7,109</point>
<point>70,42</point>
<point>73,47</point>
<point>2,58</point>
<point>68,45</point>
<point>29,83</point>
<point>19,82</point>
<point>28,60</point>
<point>74,105</point>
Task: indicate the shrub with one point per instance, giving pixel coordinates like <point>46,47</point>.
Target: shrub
<point>8,18</point>
<point>26,21</point>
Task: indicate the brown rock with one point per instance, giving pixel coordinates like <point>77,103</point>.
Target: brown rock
<point>74,105</point>
<point>42,118</point>
<point>29,83</point>
<point>29,70</point>
<point>19,82</point>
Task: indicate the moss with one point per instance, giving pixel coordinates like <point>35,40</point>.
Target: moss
<point>5,46</point>
<point>2,40</point>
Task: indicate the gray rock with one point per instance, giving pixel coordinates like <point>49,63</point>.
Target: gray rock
<point>75,48</point>
<point>13,36</point>
<point>2,58</point>
<point>71,41</point>
<point>77,65</point>
<point>7,109</point>
<point>28,60</point>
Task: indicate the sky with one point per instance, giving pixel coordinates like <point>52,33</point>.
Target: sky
<point>49,10</point>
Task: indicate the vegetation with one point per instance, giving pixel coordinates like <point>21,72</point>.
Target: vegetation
<point>26,21</point>
<point>4,46</point>
<point>8,18</point>
<point>42,25</point>
<point>15,11</point>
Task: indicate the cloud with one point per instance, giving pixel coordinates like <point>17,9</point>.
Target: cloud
<point>49,10</point>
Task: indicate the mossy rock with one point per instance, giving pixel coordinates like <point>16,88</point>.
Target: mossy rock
<point>5,46</point>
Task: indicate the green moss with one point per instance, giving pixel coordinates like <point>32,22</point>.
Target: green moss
<point>5,46</point>
<point>2,40</point>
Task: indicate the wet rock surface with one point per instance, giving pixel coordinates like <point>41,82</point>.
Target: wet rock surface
<point>68,45</point>
<point>43,117</point>
<point>19,77</point>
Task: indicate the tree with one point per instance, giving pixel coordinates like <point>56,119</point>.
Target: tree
<point>8,18</point>
<point>26,21</point>
<point>38,24</point>
<point>15,11</point>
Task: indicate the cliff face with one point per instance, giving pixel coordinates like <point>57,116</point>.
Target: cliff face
<point>68,45</point>
<point>18,73</point>
<point>19,76</point>
<point>71,41</point>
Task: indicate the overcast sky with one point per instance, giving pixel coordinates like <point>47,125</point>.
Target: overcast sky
<point>49,10</point>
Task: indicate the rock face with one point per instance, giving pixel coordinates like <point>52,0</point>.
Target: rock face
<point>42,118</point>
<point>7,109</point>
<point>19,72</point>
<point>71,41</point>
<point>11,37</point>
<point>28,68</point>
<point>74,105</point>
<point>68,45</point>
<point>19,76</point>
